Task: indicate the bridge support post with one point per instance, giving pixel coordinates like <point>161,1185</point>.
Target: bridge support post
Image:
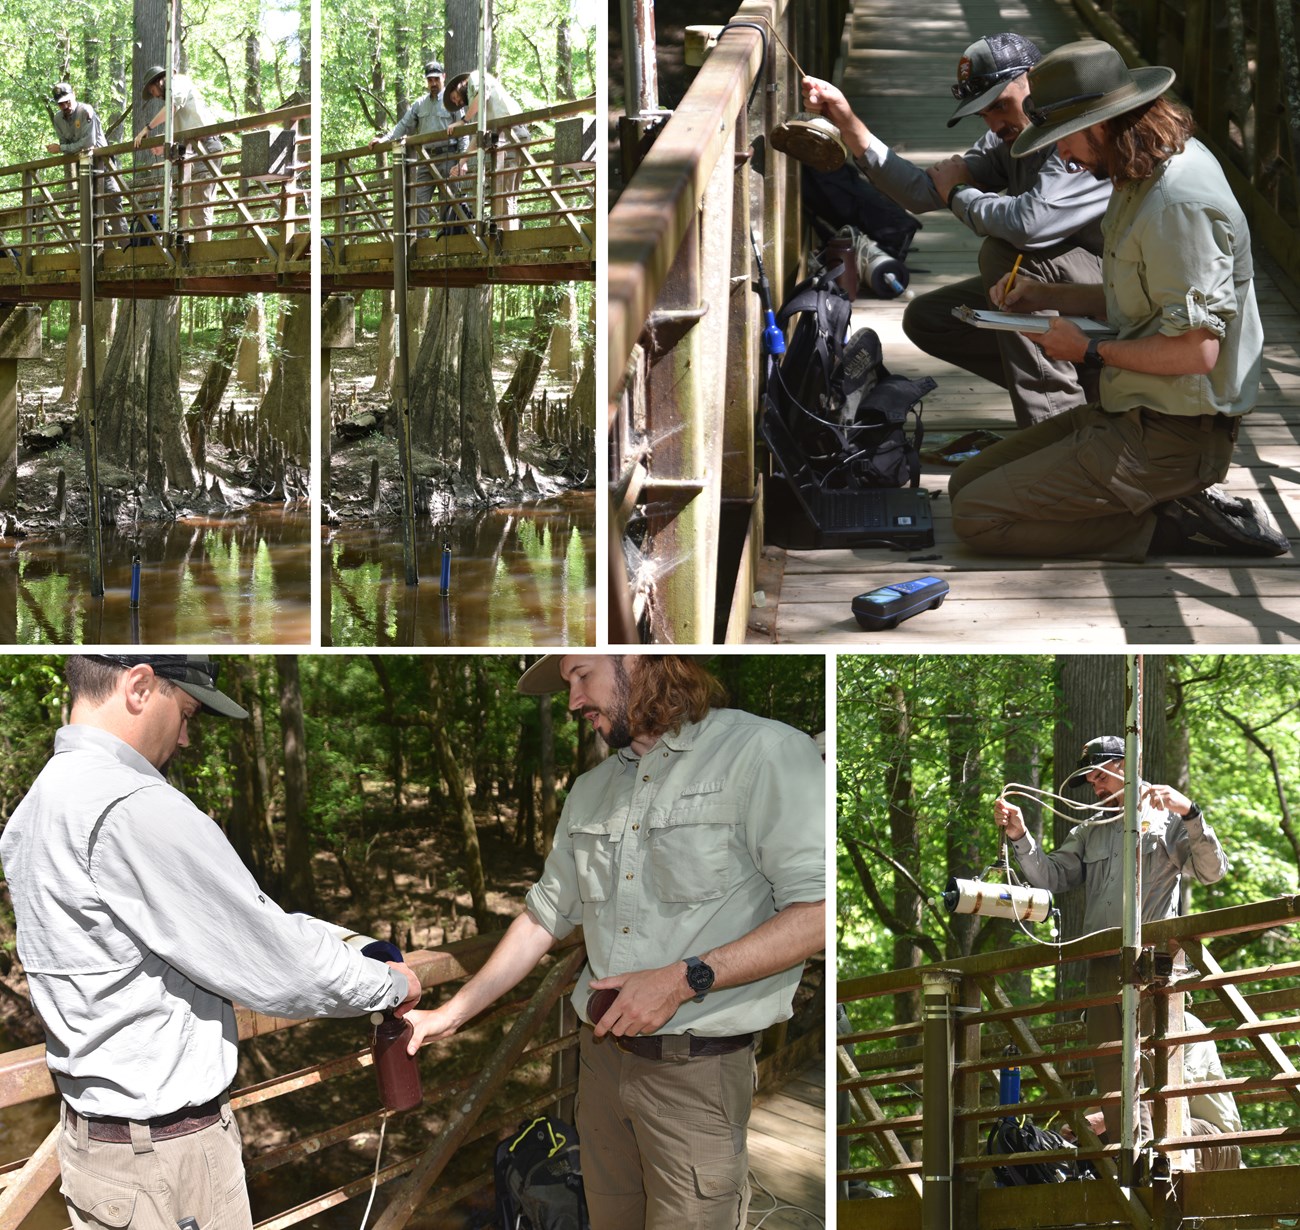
<point>89,398</point>
<point>937,989</point>
<point>402,372</point>
<point>20,338</point>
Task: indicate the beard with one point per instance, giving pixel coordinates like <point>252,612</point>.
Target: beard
<point>620,727</point>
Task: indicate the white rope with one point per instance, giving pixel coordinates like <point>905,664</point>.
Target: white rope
<point>374,1183</point>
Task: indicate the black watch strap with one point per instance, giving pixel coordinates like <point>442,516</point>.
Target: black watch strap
<point>1092,356</point>
<point>1194,813</point>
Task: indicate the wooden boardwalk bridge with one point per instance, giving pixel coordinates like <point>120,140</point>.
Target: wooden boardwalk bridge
<point>686,475</point>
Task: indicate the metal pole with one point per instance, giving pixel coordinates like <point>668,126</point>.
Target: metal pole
<point>640,67</point>
<point>1132,916</point>
<point>936,1101</point>
<point>169,122</point>
<point>89,407</point>
<point>402,376</point>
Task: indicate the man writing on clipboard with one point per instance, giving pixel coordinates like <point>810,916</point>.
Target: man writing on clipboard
<point>1135,474</point>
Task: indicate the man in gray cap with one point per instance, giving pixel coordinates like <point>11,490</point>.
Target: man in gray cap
<point>1176,842</point>
<point>190,112</point>
<point>137,928</point>
<point>79,129</point>
<point>1033,209</point>
<point>428,114</point>
<point>694,860</point>
<point>1134,474</point>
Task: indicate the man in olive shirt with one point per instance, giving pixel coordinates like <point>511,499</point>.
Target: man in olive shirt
<point>699,843</point>
<point>1134,474</point>
<point>79,129</point>
<point>1176,843</point>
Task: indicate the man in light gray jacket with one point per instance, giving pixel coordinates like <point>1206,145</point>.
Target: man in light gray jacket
<point>1175,842</point>
<point>79,129</point>
<point>1035,209</point>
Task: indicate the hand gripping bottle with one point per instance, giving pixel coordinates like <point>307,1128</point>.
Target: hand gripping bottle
<point>397,1073</point>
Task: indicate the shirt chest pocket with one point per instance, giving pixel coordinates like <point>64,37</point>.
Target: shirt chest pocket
<point>595,846</point>
<point>694,853</point>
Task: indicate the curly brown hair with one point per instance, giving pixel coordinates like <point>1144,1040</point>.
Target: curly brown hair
<point>1138,141</point>
<point>667,690</point>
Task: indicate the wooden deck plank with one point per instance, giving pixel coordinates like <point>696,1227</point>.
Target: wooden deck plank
<point>899,64</point>
<point>787,1152</point>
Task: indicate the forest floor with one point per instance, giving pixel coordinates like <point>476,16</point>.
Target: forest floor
<point>546,469</point>
<point>229,482</point>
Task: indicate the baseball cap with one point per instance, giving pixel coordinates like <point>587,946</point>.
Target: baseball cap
<point>433,69</point>
<point>61,91</point>
<point>543,677</point>
<point>985,69</point>
<point>1101,750</point>
<point>195,674</point>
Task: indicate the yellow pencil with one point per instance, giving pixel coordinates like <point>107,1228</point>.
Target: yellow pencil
<point>1011,281</point>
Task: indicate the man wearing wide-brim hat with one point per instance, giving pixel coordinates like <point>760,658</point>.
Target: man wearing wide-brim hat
<point>1027,209</point>
<point>1133,475</point>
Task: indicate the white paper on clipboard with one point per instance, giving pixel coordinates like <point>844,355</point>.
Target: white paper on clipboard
<point>1027,322</point>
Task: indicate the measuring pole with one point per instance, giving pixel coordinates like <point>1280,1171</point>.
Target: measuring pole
<point>169,121</point>
<point>936,1100</point>
<point>1132,916</point>
<point>89,406</point>
<point>480,176</point>
<point>402,374</point>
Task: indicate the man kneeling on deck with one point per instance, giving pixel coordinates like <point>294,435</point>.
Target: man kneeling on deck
<point>693,858</point>
<point>1133,475</point>
<point>1031,210</point>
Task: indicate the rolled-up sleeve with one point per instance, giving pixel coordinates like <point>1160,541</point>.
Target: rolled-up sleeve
<point>1189,271</point>
<point>785,826</point>
<point>555,901</point>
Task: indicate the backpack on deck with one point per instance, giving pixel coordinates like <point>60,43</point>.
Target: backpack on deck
<point>845,410</point>
<point>539,1178</point>
<point>1012,1135</point>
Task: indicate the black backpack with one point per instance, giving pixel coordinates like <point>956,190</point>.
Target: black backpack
<point>1012,1135</point>
<point>845,410</point>
<point>539,1178</point>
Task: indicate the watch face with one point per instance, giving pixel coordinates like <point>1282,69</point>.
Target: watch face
<point>699,977</point>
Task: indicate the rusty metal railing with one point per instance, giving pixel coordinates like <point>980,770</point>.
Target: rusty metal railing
<point>682,381</point>
<point>925,1091</point>
<point>534,223</point>
<point>240,214</point>
<point>1239,70</point>
<point>541,1036</point>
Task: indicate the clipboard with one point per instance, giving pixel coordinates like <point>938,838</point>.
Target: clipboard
<point>1028,322</point>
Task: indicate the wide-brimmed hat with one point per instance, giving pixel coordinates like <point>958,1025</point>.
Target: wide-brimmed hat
<point>455,85</point>
<point>150,77</point>
<point>543,677</point>
<point>194,673</point>
<point>1082,84</point>
<point>987,67</point>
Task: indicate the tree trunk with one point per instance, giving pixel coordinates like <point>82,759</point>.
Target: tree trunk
<point>71,392</point>
<point>482,450</point>
<point>435,377</point>
<point>386,362</point>
<point>514,401</point>
<point>905,847</point>
<point>299,889</point>
<point>250,356</point>
<point>217,378</point>
<point>287,405</point>
<point>247,824</point>
<point>562,335</point>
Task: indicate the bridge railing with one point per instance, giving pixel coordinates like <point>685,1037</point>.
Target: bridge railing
<point>684,326</point>
<point>244,202</point>
<point>923,1093</point>
<point>1236,66</point>
<point>539,193</point>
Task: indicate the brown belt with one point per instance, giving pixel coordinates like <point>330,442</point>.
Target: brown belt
<point>179,1123</point>
<point>653,1046</point>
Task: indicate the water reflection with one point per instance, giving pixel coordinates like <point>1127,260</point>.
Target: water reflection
<point>242,580</point>
<point>519,576</point>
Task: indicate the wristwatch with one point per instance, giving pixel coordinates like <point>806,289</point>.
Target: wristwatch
<point>952,192</point>
<point>1193,813</point>
<point>1092,356</point>
<point>699,977</point>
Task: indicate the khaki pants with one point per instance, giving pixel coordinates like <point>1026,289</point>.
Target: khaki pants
<point>1086,483</point>
<point>663,1141</point>
<point>1105,1023</point>
<point>201,190</point>
<point>151,1184</point>
<point>1215,1157</point>
<point>1040,388</point>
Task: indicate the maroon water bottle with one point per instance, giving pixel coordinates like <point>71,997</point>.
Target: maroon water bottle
<point>397,1072</point>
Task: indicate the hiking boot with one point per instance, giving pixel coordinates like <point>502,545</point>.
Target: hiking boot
<point>812,140</point>
<point>1213,522</point>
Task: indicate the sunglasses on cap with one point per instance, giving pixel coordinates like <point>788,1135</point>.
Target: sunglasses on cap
<point>176,667</point>
<point>1039,116</point>
<point>986,81</point>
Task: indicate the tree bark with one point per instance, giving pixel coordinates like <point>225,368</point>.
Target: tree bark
<point>299,888</point>
<point>287,405</point>
<point>250,356</point>
<point>386,360</point>
<point>217,378</point>
<point>514,401</point>
<point>71,391</point>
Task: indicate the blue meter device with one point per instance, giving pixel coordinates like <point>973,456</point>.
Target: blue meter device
<point>889,605</point>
